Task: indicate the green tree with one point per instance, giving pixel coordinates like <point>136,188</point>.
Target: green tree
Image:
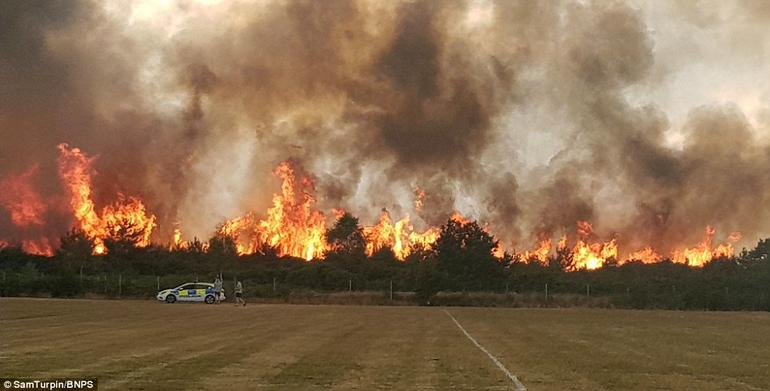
<point>430,282</point>
<point>760,253</point>
<point>465,253</point>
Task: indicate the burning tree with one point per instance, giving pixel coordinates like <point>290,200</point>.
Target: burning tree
<point>123,223</point>
<point>222,245</point>
<point>124,233</point>
<point>292,225</point>
<point>75,244</point>
<point>346,236</point>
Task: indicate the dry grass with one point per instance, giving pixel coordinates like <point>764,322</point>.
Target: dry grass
<point>144,345</point>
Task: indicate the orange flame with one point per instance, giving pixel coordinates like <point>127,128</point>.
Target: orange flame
<point>459,218</point>
<point>75,170</point>
<point>20,199</point>
<point>540,253</point>
<point>178,243</point>
<point>40,246</point>
<point>176,240</point>
<point>419,198</point>
<point>562,244</point>
<point>593,255</point>
<point>293,225</point>
<point>128,216</point>
<point>586,255</point>
<point>645,255</point>
<point>26,209</point>
<point>703,252</point>
<point>125,217</point>
<point>385,234</point>
<point>338,212</point>
<point>423,240</point>
<point>399,236</point>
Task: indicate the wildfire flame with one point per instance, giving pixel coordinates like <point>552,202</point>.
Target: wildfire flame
<point>400,236</point>
<point>40,246</point>
<point>125,218</point>
<point>562,244</point>
<point>540,253</point>
<point>459,218</point>
<point>419,198</point>
<point>592,255</point>
<point>176,240</point>
<point>26,209</point>
<point>704,252</point>
<point>128,217</point>
<point>20,199</point>
<point>645,255</point>
<point>293,226</point>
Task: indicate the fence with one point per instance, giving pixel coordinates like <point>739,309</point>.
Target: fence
<point>385,291</point>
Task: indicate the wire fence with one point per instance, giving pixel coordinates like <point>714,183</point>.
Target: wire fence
<point>383,291</point>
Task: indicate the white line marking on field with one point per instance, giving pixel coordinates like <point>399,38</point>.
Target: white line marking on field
<point>516,383</point>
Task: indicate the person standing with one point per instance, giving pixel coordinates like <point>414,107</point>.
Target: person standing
<point>218,290</point>
<point>239,294</point>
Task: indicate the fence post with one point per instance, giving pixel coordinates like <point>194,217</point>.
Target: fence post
<point>546,291</point>
<point>350,285</point>
<point>506,288</point>
<point>391,290</point>
<point>273,284</point>
<point>105,283</point>
<point>120,284</point>
<point>588,290</point>
<point>81,274</point>
<point>157,281</point>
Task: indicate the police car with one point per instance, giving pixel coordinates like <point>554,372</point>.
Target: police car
<point>192,291</point>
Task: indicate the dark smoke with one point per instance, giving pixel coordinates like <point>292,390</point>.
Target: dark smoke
<point>527,115</point>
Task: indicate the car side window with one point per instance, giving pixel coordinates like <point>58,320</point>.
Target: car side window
<point>186,286</point>
<point>201,286</point>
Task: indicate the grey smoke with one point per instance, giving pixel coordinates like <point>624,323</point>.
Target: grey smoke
<point>530,116</point>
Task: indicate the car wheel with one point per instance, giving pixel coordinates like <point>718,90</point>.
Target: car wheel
<point>170,299</point>
<point>209,299</point>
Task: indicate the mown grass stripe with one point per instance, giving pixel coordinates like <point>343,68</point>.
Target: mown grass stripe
<point>516,383</point>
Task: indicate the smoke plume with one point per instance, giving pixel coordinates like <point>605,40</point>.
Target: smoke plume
<point>651,120</point>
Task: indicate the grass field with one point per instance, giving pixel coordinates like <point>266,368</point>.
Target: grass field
<point>144,345</point>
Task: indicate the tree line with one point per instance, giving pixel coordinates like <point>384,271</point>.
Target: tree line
<point>461,260</point>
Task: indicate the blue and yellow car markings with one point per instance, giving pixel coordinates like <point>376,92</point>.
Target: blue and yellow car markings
<point>193,292</point>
